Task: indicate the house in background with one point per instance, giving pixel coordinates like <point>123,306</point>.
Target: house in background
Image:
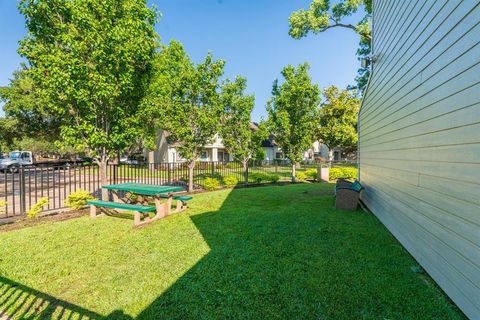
<point>419,137</point>
<point>166,150</point>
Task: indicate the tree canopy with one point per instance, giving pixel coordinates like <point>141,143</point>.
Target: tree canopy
<point>90,62</point>
<point>322,16</point>
<point>186,98</point>
<point>241,138</point>
<point>22,105</point>
<point>293,112</point>
<point>338,117</point>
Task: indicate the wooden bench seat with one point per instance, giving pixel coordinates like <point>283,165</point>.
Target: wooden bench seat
<point>119,205</point>
<point>137,209</point>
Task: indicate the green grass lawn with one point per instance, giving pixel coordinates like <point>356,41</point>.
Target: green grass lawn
<point>280,252</point>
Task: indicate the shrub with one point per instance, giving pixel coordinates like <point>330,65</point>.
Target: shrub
<point>273,178</point>
<point>345,172</point>
<point>230,181</point>
<point>211,183</point>
<point>258,177</point>
<point>78,199</point>
<point>311,174</point>
<point>3,206</point>
<point>36,209</point>
<point>301,176</point>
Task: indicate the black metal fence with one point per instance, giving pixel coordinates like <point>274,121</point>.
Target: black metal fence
<point>21,190</point>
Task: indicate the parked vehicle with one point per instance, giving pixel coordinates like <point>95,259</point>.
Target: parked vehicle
<point>133,159</point>
<point>17,159</point>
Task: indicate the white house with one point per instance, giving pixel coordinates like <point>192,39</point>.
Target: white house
<point>166,150</point>
<point>419,137</point>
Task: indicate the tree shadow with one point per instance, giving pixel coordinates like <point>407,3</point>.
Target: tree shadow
<point>278,253</point>
<point>259,265</point>
<point>19,301</point>
<point>287,253</point>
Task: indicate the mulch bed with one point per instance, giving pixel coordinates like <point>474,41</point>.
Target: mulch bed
<point>24,222</point>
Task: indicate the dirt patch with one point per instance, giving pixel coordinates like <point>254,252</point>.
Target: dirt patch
<point>25,222</point>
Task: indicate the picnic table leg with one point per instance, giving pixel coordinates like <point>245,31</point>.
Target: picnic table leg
<point>160,209</point>
<point>168,205</point>
<point>93,211</point>
<point>136,218</point>
<point>115,196</point>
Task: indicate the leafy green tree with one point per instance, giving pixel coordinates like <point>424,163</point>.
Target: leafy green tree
<point>186,98</point>
<point>293,113</point>
<point>39,147</point>
<point>240,136</point>
<point>9,134</point>
<point>338,118</point>
<point>90,62</point>
<point>322,16</point>
<point>21,102</point>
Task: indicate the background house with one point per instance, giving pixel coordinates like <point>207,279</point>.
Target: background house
<point>166,150</point>
<point>419,137</point>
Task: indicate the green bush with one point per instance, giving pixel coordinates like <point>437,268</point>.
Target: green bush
<point>257,177</point>
<point>301,176</point>
<point>311,174</point>
<point>77,199</point>
<point>211,183</point>
<point>230,181</point>
<point>273,178</point>
<point>345,172</point>
<point>36,209</point>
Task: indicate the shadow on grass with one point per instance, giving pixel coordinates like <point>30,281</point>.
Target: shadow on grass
<point>287,253</point>
<point>33,304</point>
<point>284,253</point>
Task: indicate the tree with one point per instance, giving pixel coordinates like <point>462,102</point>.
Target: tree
<point>322,16</point>
<point>90,61</point>
<point>9,134</point>
<point>22,105</point>
<point>293,113</point>
<point>338,118</point>
<point>39,147</point>
<point>186,98</point>
<point>240,137</point>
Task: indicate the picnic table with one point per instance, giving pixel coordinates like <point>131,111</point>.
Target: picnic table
<point>137,197</point>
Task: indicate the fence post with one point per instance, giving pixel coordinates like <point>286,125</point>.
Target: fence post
<point>169,176</point>
<point>23,202</point>
<point>213,169</point>
<point>245,174</point>
<point>115,169</point>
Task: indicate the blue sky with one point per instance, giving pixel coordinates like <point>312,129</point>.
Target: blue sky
<point>250,35</point>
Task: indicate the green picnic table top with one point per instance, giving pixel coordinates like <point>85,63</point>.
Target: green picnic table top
<point>143,189</point>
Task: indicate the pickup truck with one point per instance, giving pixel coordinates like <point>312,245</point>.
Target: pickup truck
<point>17,159</point>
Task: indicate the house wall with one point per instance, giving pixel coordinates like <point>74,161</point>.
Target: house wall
<point>419,138</point>
<point>161,152</point>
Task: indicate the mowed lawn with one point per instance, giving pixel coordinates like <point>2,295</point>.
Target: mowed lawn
<point>280,252</point>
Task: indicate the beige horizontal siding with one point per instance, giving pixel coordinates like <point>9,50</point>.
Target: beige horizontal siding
<point>419,137</point>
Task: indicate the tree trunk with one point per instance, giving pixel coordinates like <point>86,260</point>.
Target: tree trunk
<point>191,165</point>
<point>294,172</point>
<point>245,171</point>
<point>102,166</point>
